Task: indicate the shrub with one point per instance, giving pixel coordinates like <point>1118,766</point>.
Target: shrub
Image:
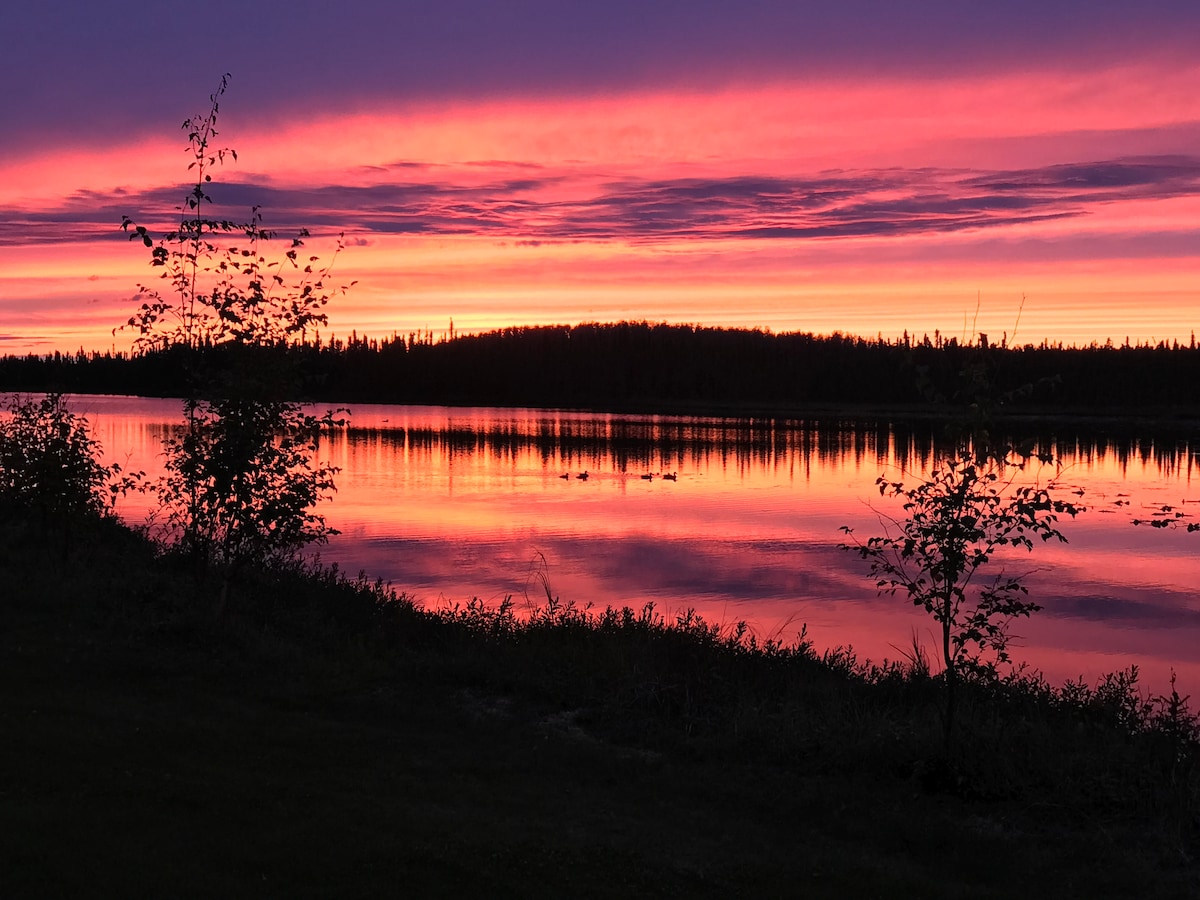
<point>49,465</point>
<point>241,483</point>
<point>954,523</point>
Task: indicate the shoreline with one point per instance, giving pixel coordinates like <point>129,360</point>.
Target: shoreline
<point>1123,420</point>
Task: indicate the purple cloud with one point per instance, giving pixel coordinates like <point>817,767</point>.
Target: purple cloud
<point>893,202</point>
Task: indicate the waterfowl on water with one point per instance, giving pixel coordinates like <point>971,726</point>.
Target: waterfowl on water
<point>582,476</point>
<point>648,477</point>
<point>565,475</point>
<point>670,476</point>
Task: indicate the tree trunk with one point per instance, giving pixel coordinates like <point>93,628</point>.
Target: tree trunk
<point>951,682</point>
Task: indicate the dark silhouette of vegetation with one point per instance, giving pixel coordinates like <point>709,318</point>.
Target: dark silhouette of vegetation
<point>959,520</point>
<point>241,482</point>
<point>240,485</point>
<point>1168,516</point>
<point>50,473</point>
<point>554,751</point>
<point>658,367</point>
<point>955,521</point>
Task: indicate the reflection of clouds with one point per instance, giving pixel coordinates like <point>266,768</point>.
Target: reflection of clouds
<point>614,567</point>
<point>676,569</point>
<point>1119,604</point>
<point>723,569</point>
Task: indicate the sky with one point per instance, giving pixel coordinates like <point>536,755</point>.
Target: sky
<point>1028,169</point>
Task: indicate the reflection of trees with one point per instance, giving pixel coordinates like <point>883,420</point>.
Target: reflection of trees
<point>664,443</point>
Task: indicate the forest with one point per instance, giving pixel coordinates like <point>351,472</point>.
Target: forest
<point>642,366</point>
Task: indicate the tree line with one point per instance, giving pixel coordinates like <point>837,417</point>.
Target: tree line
<point>642,365</point>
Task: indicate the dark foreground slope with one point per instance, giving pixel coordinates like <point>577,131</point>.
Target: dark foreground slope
<point>327,739</point>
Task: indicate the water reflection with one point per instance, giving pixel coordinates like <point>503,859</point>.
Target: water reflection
<point>454,503</point>
<point>638,443</point>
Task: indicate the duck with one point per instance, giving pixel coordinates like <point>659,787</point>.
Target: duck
<point>582,476</point>
<point>565,475</point>
<point>670,476</point>
<point>649,476</point>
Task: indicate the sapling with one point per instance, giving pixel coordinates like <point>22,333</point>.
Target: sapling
<point>241,481</point>
<point>955,522</point>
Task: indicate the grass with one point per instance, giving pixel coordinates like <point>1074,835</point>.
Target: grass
<point>327,737</point>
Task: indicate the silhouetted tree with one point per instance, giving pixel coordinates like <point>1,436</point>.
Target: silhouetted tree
<point>241,482</point>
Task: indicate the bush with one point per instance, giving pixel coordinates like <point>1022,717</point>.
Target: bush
<point>49,465</point>
<point>955,522</point>
<point>242,482</point>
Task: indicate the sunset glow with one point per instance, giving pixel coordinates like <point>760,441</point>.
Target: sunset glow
<point>817,193</point>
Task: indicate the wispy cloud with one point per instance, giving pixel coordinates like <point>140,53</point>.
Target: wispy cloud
<point>578,206</point>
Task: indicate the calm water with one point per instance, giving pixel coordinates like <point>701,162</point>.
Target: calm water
<point>449,504</point>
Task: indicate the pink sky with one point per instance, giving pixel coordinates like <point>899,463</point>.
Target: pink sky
<point>820,199</point>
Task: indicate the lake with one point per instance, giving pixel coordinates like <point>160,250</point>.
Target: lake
<point>453,503</point>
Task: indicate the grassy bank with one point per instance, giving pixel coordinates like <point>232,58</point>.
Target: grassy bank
<point>326,737</point>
